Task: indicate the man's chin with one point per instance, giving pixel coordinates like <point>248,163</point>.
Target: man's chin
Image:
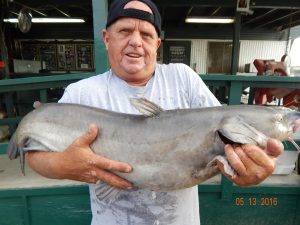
<point>133,70</point>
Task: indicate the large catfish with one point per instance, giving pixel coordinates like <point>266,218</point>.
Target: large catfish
<point>168,150</point>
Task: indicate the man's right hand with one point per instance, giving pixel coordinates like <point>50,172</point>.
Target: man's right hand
<point>79,162</point>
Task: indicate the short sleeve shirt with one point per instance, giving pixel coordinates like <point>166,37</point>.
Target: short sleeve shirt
<point>172,86</point>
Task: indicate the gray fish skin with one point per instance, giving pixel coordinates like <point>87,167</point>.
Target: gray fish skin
<point>170,151</point>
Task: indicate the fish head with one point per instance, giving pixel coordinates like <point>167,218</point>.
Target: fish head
<point>287,121</point>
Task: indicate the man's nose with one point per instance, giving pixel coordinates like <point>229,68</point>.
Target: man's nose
<point>135,39</point>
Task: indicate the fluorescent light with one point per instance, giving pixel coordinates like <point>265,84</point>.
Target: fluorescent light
<point>209,20</point>
<point>57,20</point>
<point>47,20</point>
<point>10,20</point>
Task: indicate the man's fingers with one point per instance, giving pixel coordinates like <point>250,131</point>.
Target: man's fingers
<point>246,161</point>
<point>112,165</point>
<point>104,169</point>
<point>113,180</point>
<point>252,163</point>
<point>274,147</point>
<point>89,136</point>
<point>234,160</point>
<point>259,157</point>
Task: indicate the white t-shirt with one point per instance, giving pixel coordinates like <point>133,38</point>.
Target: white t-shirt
<point>172,86</point>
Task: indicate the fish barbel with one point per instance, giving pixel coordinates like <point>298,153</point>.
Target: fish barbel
<point>168,150</point>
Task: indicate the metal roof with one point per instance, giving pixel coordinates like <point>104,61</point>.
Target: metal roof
<point>270,19</point>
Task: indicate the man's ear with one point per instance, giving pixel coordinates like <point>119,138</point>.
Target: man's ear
<point>105,37</point>
<point>158,42</point>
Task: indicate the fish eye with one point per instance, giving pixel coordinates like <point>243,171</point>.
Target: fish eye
<point>278,117</point>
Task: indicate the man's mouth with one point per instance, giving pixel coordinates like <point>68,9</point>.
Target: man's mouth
<point>133,55</point>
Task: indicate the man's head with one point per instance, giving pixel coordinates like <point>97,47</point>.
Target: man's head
<point>131,39</point>
<point>122,8</point>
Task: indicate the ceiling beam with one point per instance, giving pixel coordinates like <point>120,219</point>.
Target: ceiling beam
<point>214,3</point>
<point>279,18</point>
<point>189,11</point>
<point>34,3</point>
<point>290,24</point>
<point>215,11</point>
<point>280,4</point>
<point>260,17</point>
<point>286,4</point>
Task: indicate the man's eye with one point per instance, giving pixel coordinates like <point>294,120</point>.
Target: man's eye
<point>125,31</point>
<point>147,35</point>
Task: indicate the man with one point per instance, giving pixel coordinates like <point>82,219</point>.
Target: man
<point>132,39</point>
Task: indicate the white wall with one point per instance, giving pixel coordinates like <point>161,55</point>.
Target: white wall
<point>249,51</point>
<point>295,53</point>
<point>199,51</point>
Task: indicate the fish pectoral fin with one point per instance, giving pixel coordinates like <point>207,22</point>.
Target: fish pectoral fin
<point>235,130</point>
<point>146,107</point>
<point>227,168</point>
<point>34,145</point>
<point>105,192</point>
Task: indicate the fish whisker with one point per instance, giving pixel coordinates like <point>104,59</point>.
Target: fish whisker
<point>294,143</point>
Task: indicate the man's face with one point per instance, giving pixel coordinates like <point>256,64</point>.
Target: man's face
<point>131,45</point>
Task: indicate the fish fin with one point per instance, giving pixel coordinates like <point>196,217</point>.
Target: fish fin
<point>30,145</point>
<point>235,130</point>
<point>22,162</point>
<point>37,104</point>
<point>227,168</point>
<point>105,192</point>
<point>14,151</point>
<point>205,173</point>
<point>33,145</point>
<point>146,107</point>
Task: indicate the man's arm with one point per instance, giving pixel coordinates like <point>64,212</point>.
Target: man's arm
<point>252,163</point>
<point>79,162</point>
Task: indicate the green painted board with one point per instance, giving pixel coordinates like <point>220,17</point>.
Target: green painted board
<point>250,209</point>
<point>70,206</point>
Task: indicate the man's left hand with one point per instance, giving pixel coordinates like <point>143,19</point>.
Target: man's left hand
<point>252,163</point>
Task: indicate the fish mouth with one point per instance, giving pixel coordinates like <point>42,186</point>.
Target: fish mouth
<point>295,118</point>
<point>296,125</point>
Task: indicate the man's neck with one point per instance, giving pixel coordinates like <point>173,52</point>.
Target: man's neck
<point>133,81</point>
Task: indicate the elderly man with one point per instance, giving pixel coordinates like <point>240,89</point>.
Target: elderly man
<point>132,39</point>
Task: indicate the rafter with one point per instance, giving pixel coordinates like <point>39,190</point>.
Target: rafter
<point>278,19</point>
<point>260,17</point>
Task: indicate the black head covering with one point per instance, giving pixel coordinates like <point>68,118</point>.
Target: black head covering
<point>116,11</point>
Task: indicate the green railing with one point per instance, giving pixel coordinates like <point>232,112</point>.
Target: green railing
<point>235,85</point>
<point>214,198</point>
<point>9,86</point>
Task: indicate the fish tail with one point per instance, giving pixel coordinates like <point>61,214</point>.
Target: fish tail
<point>13,151</point>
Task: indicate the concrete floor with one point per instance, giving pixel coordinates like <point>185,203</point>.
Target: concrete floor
<point>12,178</point>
